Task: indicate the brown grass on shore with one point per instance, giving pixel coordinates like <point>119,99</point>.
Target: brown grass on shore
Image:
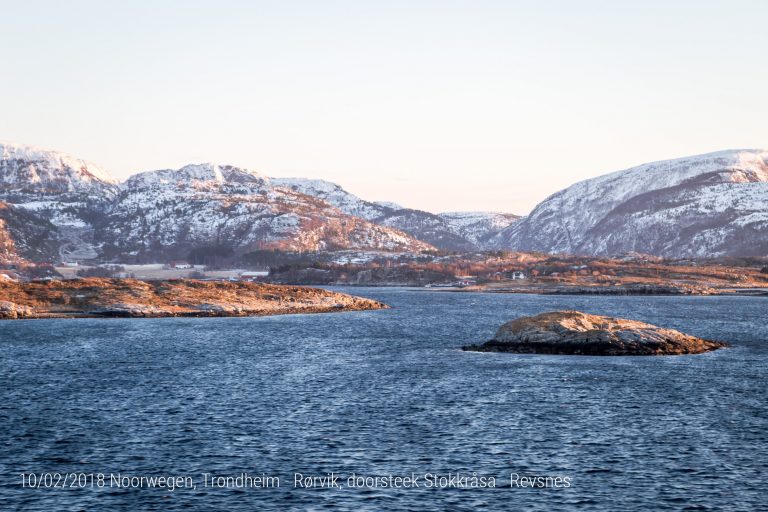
<point>131,297</point>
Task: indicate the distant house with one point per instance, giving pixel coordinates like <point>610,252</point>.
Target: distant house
<point>518,275</point>
<point>252,275</point>
<point>180,265</point>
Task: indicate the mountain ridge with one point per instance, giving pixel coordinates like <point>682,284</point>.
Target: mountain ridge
<point>201,204</point>
<point>714,204</point>
<point>73,193</point>
<point>653,207</point>
<point>448,231</point>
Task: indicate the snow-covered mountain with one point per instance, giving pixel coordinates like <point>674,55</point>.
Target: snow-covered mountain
<point>54,206</point>
<point>66,190</point>
<point>31,170</point>
<point>51,202</point>
<point>94,215</point>
<point>458,231</point>
<point>707,205</point>
<point>209,204</point>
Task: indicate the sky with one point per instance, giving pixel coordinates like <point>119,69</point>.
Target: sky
<point>437,105</point>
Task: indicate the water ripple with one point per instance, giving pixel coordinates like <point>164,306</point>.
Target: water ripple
<point>388,392</point>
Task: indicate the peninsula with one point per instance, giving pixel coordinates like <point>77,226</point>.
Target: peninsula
<point>100,297</point>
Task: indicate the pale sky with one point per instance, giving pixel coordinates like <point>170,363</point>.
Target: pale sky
<point>439,105</point>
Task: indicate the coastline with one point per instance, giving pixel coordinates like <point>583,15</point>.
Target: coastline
<point>130,298</point>
<point>612,291</point>
<point>573,290</point>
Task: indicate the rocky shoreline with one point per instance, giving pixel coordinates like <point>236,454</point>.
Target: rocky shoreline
<point>630,290</point>
<point>659,290</point>
<point>577,333</point>
<point>131,298</point>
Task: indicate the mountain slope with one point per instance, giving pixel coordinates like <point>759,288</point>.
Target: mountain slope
<point>31,170</point>
<point>335,195</point>
<point>208,204</point>
<point>707,205</point>
<point>455,231</point>
<point>54,199</point>
<point>25,235</point>
<point>66,190</point>
<point>427,226</point>
<point>84,212</point>
<point>478,227</point>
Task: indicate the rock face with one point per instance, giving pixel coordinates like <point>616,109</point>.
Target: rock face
<point>127,309</point>
<point>700,206</point>
<point>574,332</point>
<point>11,311</point>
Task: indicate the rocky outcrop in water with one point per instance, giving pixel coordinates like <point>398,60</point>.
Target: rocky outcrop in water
<point>11,311</point>
<point>574,332</point>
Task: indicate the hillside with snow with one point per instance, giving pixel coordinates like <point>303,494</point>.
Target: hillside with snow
<point>335,195</point>
<point>57,207</point>
<point>63,189</point>
<point>25,236</point>
<point>51,202</point>
<point>707,205</point>
<point>454,231</point>
<point>478,227</point>
<point>32,170</point>
<point>211,204</point>
<point>168,211</point>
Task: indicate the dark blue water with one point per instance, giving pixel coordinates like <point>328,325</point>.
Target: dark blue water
<point>387,392</point>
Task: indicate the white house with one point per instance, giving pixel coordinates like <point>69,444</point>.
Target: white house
<point>518,275</point>
<point>250,275</point>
